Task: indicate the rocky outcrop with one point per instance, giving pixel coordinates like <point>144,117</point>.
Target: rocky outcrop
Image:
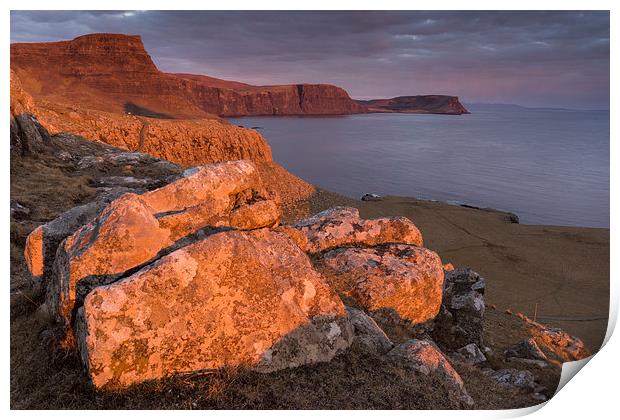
<point>114,73</point>
<point>187,142</point>
<point>460,319</point>
<point>404,278</point>
<point>342,226</point>
<point>561,345</point>
<point>27,135</point>
<point>424,357</point>
<point>230,299</point>
<point>134,229</point>
<point>420,104</point>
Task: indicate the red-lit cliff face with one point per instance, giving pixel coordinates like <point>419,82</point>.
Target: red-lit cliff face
<point>114,73</point>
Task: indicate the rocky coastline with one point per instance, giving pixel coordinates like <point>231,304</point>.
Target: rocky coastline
<point>149,271</point>
<point>114,73</point>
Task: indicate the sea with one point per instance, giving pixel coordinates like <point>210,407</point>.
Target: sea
<point>547,166</point>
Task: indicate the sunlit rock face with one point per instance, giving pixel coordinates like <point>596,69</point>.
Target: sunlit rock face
<point>561,345</point>
<point>114,73</point>
<point>342,226</point>
<point>234,298</point>
<point>42,243</point>
<point>405,278</point>
<point>134,229</point>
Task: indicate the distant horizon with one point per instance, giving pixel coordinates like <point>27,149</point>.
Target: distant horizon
<point>530,59</point>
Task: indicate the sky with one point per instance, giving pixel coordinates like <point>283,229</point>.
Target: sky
<point>538,58</point>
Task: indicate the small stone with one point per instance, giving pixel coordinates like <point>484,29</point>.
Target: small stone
<point>471,354</point>
<point>526,349</point>
<point>512,378</point>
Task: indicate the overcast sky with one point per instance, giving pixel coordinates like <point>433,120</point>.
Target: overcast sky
<point>556,59</point>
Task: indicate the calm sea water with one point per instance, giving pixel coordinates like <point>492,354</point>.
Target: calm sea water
<point>547,166</point>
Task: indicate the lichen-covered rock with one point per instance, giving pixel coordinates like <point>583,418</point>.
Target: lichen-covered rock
<point>342,226</point>
<point>424,357</point>
<point>42,243</point>
<point>134,229</point>
<point>367,333</point>
<point>460,319</point>
<point>234,298</point>
<point>124,235</point>
<point>405,278</point>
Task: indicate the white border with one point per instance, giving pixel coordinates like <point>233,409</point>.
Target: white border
<point>591,395</point>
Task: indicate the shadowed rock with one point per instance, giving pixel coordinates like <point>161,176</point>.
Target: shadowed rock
<point>460,318</point>
<point>234,298</point>
<point>342,226</point>
<point>471,354</point>
<point>27,135</point>
<point>526,349</point>
<point>424,357</point>
<point>367,333</point>
<point>405,278</point>
<point>513,378</point>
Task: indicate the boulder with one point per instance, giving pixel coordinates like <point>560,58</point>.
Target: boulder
<point>513,378</point>
<point>207,196</point>
<point>42,243</point>
<point>471,354</point>
<point>526,349</point>
<point>405,278</point>
<point>234,298</point>
<point>367,333</point>
<point>342,226</point>
<point>134,229</point>
<point>424,357</point>
<point>124,235</point>
<point>19,211</point>
<point>460,319</point>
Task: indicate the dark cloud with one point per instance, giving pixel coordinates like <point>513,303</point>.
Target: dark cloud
<point>533,58</point>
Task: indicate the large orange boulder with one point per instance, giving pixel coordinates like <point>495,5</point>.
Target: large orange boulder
<point>134,229</point>
<point>234,298</point>
<point>342,226</point>
<point>405,278</point>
